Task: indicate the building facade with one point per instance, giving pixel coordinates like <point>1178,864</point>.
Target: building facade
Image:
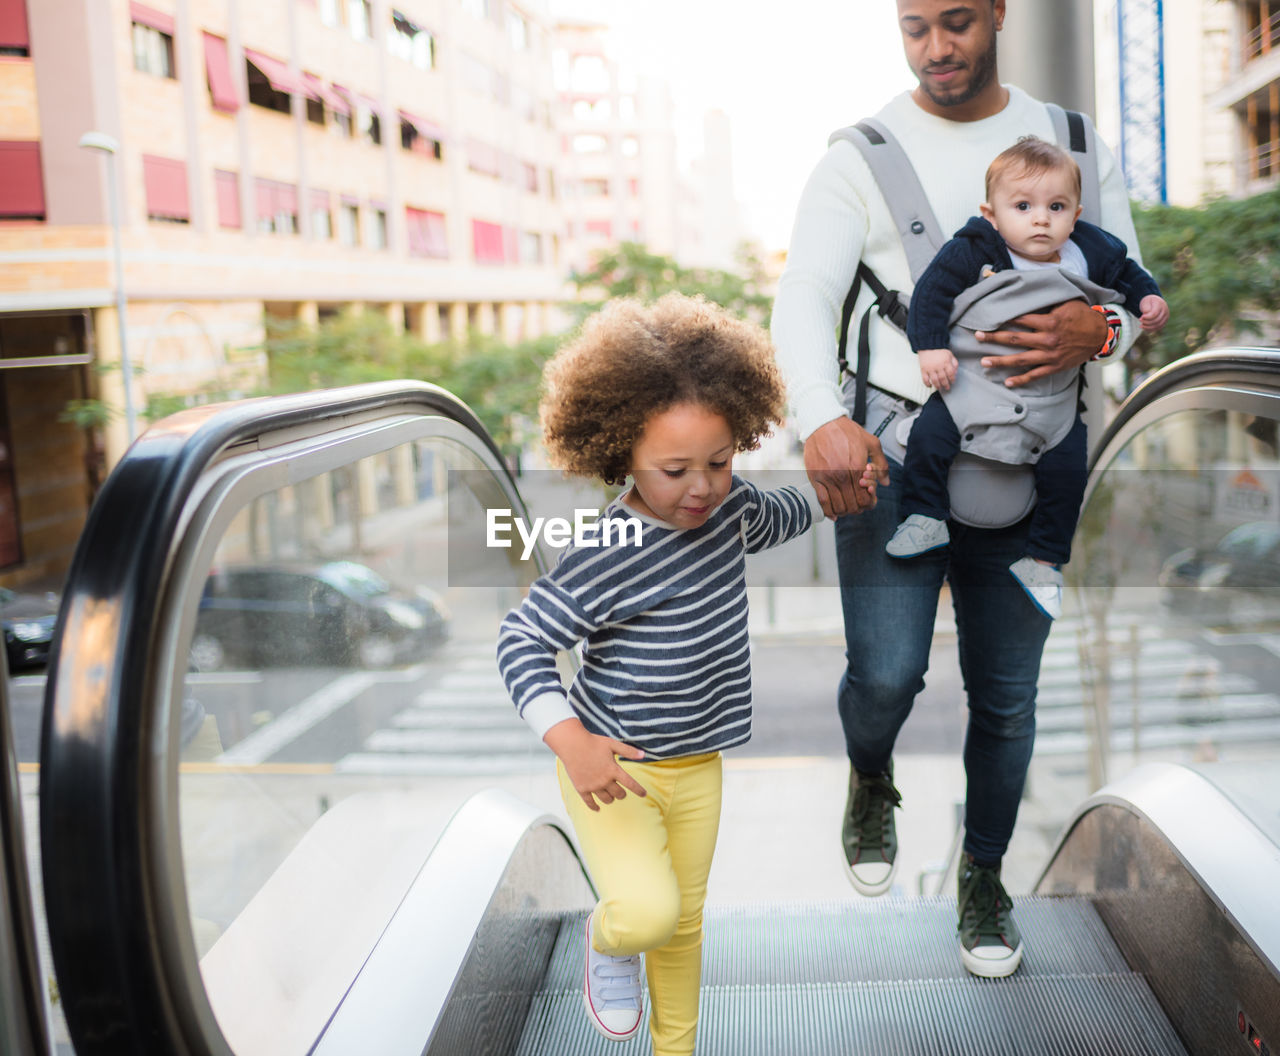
<point>287,159</point>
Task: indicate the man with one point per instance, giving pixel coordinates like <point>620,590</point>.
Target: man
<point>957,118</point>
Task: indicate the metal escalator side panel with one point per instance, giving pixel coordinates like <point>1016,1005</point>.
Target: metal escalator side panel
<point>1186,885</point>
<point>119,926</point>
<point>458,966</point>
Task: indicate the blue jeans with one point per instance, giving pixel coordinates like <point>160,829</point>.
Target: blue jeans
<point>889,608</point>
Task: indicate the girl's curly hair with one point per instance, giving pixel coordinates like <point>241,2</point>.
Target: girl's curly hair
<point>631,362</point>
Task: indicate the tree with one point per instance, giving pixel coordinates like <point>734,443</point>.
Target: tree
<point>1218,266</point>
<point>630,270</point>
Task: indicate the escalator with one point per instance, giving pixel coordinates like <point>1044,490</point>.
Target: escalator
<point>257,838</point>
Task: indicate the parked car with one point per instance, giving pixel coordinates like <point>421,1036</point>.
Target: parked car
<point>339,613</point>
<point>1235,581</point>
<point>28,627</point>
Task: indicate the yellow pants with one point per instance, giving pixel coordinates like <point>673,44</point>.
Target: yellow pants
<point>649,857</point>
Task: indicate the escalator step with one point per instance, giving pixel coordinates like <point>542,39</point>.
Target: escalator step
<point>1088,1015</point>
<point>836,942</point>
<point>881,978</point>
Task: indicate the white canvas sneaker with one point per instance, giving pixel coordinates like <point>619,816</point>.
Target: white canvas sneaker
<point>611,992</point>
<point>1043,584</point>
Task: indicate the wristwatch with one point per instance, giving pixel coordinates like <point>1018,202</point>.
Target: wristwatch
<point>1113,330</point>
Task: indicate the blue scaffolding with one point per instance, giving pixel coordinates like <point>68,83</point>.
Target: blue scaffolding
<point>1140,24</point>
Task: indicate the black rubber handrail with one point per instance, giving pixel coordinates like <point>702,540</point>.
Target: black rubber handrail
<point>106,931</point>
<point>1224,366</point>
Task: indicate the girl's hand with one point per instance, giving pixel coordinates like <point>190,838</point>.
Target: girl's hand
<point>591,763</point>
<point>938,368</point>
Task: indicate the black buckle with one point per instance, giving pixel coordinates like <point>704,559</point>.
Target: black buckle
<point>893,309</point>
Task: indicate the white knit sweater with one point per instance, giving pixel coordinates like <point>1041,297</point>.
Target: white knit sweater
<point>842,218</point>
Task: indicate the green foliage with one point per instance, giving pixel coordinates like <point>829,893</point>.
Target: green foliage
<point>87,414</point>
<point>631,270</point>
<point>497,381</point>
<point>1218,266</point>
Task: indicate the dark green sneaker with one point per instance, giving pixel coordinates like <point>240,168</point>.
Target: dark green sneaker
<point>990,945</point>
<point>869,836</point>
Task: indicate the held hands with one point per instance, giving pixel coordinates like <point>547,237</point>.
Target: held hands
<point>845,464</point>
<point>1155,312</point>
<point>1060,339</point>
<point>938,367</point>
<point>591,763</point>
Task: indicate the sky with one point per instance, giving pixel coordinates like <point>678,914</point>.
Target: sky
<point>787,75</point>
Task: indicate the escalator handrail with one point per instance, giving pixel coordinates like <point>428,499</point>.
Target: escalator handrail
<point>1221,366</point>
<point>113,946</point>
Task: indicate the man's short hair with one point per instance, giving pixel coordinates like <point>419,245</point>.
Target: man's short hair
<point>1031,156</point>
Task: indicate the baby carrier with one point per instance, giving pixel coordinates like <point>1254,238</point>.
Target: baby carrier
<point>984,493</point>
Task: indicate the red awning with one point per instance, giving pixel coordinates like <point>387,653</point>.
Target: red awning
<point>315,88</point>
<point>21,181</point>
<point>487,242</point>
<point>426,128</point>
<point>13,24</point>
<point>342,100</point>
<point>277,73</point>
<point>319,200</point>
<point>228,188</point>
<point>218,67</point>
<point>165,180</point>
<point>149,16</point>
<point>428,236</point>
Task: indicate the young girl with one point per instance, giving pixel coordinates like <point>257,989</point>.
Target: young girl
<point>667,395</point>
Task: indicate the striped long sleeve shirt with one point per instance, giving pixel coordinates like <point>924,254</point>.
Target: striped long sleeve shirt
<point>665,658</point>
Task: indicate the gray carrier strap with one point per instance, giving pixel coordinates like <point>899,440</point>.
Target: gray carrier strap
<point>898,182</point>
<point>1075,133</point>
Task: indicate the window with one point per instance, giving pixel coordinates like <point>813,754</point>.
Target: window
<point>477,8</point>
<point>530,177</point>
<point>152,51</point>
<point>227,187</point>
<point>595,188</point>
<point>599,230</point>
<point>411,42</point>
<point>349,223</point>
<point>315,111</point>
<point>360,19</point>
<point>368,123</point>
<point>277,207</point>
<point>343,124</point>
<point>588,73</point>
<point>483,158</point>
<point>330,12</point>
<point>165,181</point>
<point>589,144</point>
<point>321,222</point>
<point>428,236</point>
<point>269,82</point>
<point>517,31</point>
<point>633,187</point>
<point>488,242</point>
<point>421,136</point>
<point>21,181</point>
<point>530,247</point>
<point>378,228</point>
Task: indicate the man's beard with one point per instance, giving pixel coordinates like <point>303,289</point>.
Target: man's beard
<point>982,73</point>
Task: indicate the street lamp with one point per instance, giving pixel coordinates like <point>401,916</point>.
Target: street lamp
<point>109,146</point>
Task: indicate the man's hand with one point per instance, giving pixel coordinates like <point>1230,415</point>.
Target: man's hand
<point>590,762</point>
<point>844,463</point>
<point>1060,339</point>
